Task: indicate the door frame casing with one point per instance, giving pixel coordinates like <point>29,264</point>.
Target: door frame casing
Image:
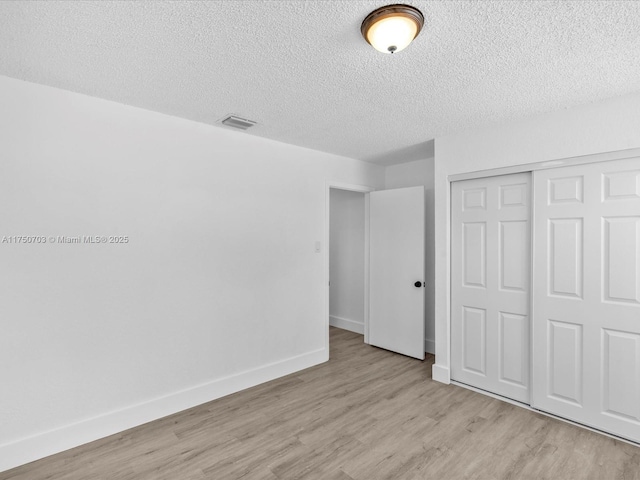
<point>364,189</point>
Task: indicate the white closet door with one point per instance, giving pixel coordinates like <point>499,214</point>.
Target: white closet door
<point>490,275</point>
<point>586,328</point>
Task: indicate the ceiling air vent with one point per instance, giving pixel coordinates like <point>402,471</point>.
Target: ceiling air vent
<point>237,122</point>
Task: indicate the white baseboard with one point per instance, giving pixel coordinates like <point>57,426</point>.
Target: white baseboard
<point>429,346</point>
<point>346,324</point>
<point>440,374</point>
<point>48,443</point>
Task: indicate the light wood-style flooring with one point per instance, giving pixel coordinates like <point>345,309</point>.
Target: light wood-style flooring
<point>366,414</point>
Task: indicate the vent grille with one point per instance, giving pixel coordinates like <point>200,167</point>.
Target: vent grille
<point>237,122</point>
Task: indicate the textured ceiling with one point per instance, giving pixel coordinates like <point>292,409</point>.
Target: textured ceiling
<point>304,73</point>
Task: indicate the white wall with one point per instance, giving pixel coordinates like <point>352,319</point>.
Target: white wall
<point>218,289</point>
<point>410,174</point>
<point>596,128</point>
<point>346,307</point>
<point>413,174</point>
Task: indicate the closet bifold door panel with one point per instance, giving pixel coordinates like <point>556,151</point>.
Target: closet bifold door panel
<point>490,277</point>
<point>586,295</point>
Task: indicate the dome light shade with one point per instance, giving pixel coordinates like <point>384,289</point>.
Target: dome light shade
<point>392,28</point>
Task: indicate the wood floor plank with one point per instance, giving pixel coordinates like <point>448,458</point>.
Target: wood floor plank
<point>366,414</point>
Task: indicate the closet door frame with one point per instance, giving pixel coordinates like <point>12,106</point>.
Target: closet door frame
<point>530,167</point>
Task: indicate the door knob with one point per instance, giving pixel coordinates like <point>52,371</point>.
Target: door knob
<point>417,284</point>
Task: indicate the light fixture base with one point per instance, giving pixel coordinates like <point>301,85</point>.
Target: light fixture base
<point>392,28</point>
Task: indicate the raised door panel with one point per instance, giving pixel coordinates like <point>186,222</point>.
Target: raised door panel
<point>514,260</point>
<point>474,198</point>
<point>621,386</point>
<point>565,367</point>
<point>565,257</point>
<point>474,329</point>
<point>621,257</point>
<point>514,195</point>
<point>474,255</point>
<point>621,185</point>
<point>514,349</point>
<point>565,190</point>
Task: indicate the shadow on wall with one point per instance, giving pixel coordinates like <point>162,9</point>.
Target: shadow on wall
<point>419,151</point>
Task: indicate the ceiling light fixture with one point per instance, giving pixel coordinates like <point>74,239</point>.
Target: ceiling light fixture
<point>392,28</point>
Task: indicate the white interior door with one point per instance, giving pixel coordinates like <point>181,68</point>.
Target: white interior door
<point>490,276</point>
<point>586,328</point>
<point>396,314</point>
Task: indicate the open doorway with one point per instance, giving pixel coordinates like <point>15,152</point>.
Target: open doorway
<point>375,266</point>
<point>348,262</point>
